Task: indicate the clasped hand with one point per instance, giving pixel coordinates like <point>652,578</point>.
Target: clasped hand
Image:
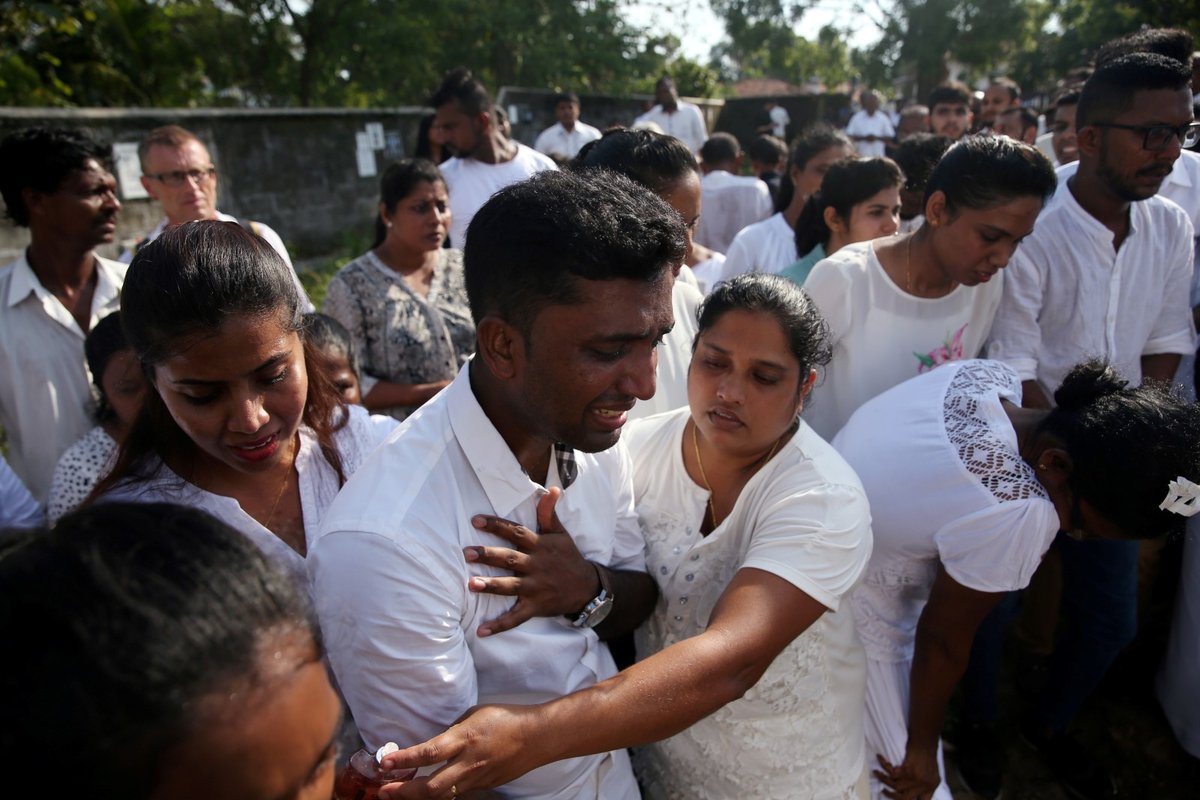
<point>550,576</point>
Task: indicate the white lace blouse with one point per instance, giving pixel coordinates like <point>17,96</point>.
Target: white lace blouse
<point>939,460</point>
<point>798,732</point>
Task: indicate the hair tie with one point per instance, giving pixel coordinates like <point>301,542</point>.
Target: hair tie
<point>1181,498</point>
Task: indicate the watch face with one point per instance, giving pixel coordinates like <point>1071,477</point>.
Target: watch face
<point>597,614</point>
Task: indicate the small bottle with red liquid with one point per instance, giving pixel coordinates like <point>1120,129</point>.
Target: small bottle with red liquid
<point>363,775</point>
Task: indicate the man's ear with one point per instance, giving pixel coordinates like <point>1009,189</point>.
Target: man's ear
<point>1087,139</point>
<point>501,346</point>
<point>33,199</point>
<point>148,185</point>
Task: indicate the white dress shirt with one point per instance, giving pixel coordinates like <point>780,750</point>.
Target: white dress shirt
<point>685,123</point>
<point>766,246</point>
<point>45,388</point>
<point>470,183</point>
<point>864,124</point>
<point>390,583</point>
<point>674,354</point>
<point>780,119</point>
<point>729,203</point>
<point>557,140</point>
<point>1069,296</point>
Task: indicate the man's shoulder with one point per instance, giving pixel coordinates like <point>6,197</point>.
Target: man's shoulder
<point>532,160</point>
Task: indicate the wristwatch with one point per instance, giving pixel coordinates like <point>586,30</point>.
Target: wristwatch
<point>598,607</point>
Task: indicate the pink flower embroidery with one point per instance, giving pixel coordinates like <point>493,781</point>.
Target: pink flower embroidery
<point>951,350</point>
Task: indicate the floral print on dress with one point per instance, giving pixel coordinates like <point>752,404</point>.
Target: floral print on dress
<point>951,350</point>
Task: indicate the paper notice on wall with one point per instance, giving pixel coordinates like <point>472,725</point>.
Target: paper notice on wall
<point>374,131</point>
<point>362,141</point>
<point>129,171</point>
<point>366,162</point>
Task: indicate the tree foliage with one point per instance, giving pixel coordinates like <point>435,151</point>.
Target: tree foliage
<point>761,42</point>
<point>318,53</point>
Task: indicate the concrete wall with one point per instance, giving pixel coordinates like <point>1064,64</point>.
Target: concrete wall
<point>743,114</point>
<point>295,169</point>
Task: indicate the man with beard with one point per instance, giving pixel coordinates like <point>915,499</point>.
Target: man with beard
<point>485,160</point>
<point>1106,273</point>
<point>56,184</point>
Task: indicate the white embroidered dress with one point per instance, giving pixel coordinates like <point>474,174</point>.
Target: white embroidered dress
<point>798,732</point>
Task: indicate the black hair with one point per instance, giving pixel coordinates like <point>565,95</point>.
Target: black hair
<point>1126,444</point>
<point>462,87</point>
<point>120,622</point>
<point>398,182</point>
<point>918,155</point>
<point>103,341</point>
<point>812,141</point>
<point>720,148</point>
<point>1014,91</point>
<point>766,149</point>
<point>655,160</point>
<point>1172,43</point>
<point>566,97</point>
<point>188,282</point>
<point>424,147</point>
<point>528,244</point>
<point>1028,118</point>
<point>328,335</point>
<point>951,93</point>
<point>1111,89</point>
<point>40,159</point>
<point>981,172</point>
<point>1067,98</point>
<point>760,292</point>
<point>847,183</point>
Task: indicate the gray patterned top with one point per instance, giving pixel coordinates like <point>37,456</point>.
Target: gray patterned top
<point>401,336</point>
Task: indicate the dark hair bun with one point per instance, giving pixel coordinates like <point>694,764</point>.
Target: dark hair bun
<point>1088,382</point>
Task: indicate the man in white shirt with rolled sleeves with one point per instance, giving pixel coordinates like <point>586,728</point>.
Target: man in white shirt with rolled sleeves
<point>55,183</point>
<point>516,467</point>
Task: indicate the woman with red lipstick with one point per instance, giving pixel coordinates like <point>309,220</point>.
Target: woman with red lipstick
<point>405,300</point>
<point>751,677</point>
<point>903,305</point>
<point>238,422</point>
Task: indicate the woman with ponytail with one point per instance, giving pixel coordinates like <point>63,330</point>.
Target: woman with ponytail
<point>859,200</point>
<point>967,492</point>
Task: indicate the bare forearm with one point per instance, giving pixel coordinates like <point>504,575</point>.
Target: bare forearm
<point>387,394</point>
<point>1160,367</point>
<point>938,664</point>
<point>635,594</point>
<point>1032,395</point>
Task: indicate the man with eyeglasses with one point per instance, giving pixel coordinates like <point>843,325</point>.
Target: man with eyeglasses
<point>178,172</point>
<point>1106,273</point>
<point>56,183</point>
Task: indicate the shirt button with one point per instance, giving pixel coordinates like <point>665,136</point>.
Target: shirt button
<point>678,618</point>
<point>689,577</point>
<point>683,600</point>
<point>695,557</point>
<point>662,570</point>
<point>677,550</point>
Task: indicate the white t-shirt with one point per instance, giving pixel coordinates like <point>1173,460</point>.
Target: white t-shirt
<point>470,183</point>
<point>967,500</point>
<point>766,246</point>
<point>882,335</point>
<point>685,123</point>
<point>318,486</point>
<point>804,518</point>
<point>1069,296</point>
<point>864,124</point>
<point>709,273</point>
<point>390,583</point>
<point>729,203</point>
<point>45,387</point>
<point>674,354</point>
<point>558,140</point>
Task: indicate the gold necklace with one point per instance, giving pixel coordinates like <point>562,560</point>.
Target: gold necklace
<point>287,474</point>
<point>712,507</point>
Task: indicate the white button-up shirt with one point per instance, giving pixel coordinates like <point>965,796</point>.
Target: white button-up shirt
<point>1069,296</point>
<point>685,123</point>
<point>390,583</point>
<point>767,246</point>
<point>728,204</point>
<point>45,387</point>
<point>557,140</point>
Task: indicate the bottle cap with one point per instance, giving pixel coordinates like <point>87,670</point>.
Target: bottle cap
<point>386,750</point>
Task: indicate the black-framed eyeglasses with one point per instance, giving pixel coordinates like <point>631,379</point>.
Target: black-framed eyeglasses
<point>179,177</point>
<point>1158,137</point>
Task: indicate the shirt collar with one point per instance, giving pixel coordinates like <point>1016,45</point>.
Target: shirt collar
<point>503,479</point>
<point>109,276</point>
<point>24,282</point>
<point>1092,226</point>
